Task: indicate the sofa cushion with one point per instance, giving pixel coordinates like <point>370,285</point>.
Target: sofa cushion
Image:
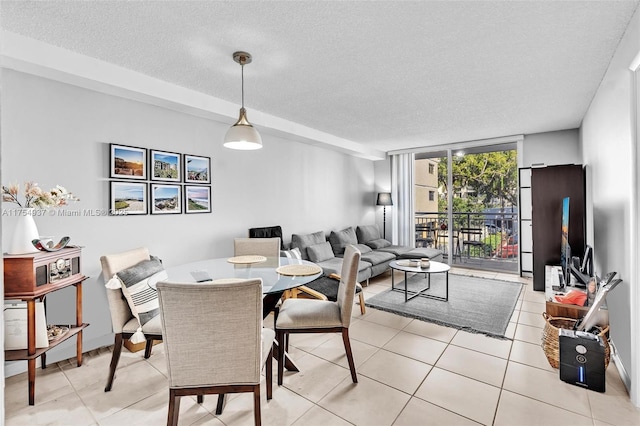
<point>420,252</point>
<point>366,233</point>
<point>320,252</point>
<point>363,248</point>
<point>397,250</point>
<point>378,257</point>
<point>340,239</point>
<point>302,241</point>
<point>378,244</point>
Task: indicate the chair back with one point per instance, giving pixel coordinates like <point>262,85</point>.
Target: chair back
<point>347,286</point>
<point>267,232</point>
<point>212,332</point>
<point>111,265</point>
<point>268,247</point>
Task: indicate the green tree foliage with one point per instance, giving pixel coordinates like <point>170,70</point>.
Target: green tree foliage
<point>481,181</point>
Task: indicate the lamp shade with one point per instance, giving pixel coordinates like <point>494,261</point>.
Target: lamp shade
<point>242,135</point>
<point>384,199</point>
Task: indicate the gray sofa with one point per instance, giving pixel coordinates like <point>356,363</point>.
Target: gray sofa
<point>377,252</point>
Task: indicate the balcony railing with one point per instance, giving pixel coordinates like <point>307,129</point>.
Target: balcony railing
<point>477,236</point>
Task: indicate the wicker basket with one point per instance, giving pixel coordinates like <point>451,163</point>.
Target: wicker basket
<point>551,341</point>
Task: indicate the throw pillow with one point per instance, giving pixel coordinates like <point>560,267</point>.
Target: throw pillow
<point>366,233</point>
<point>138,284</point>
<point>291,254</point>
<point>340,239</point>
<point>379,243</point>
<point>320,252</point>
<point>302,241</point>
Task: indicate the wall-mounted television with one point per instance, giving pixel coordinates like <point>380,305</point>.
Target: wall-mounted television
<point>565,248</point>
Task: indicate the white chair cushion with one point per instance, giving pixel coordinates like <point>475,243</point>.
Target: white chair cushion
<point>308,313</point>
<point>153,326</point>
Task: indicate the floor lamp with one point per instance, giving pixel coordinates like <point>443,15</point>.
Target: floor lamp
<point>384,200</point>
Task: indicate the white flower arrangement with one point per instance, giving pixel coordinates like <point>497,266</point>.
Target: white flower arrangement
<point>37,198</point>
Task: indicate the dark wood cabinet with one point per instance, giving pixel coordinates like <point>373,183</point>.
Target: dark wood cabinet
<point>549,186</point>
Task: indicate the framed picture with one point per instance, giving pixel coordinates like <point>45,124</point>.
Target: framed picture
<point>197,169</point>
<point>128,198</point>
<point>166,199</point>
<point>197,199</point>
<point>127,162</point>
<point>165,166</point>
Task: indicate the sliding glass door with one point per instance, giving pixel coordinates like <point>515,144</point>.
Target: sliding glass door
<point>466,206</point>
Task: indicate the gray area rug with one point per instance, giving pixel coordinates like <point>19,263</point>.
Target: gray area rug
<point>477,305</point>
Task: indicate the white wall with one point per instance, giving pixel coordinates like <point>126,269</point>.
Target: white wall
<point>382,171</point>
<point>607,148</point>
<point>551,148</point>
<point>54,133</point>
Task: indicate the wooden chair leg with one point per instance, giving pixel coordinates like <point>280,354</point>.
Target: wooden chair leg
<point>256,405</point>
<point>269,373</point>
<point>220,404</point>
<point>115,357</point>
<point>362,308</point>
<point>174,408</point>
<point>147,348</point>
<point>280,337</point>
<point>347,349</point>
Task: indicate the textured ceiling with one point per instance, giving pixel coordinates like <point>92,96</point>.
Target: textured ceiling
<point>386,74</point>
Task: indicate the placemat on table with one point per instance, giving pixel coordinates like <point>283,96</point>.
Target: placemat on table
<point>247,259</point>
<point>299,270</point>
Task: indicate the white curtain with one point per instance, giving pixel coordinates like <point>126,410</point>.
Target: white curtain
<point>402,217</point>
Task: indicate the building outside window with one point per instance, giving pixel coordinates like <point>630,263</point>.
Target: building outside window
<point>431,171</point>
<point>432,195</point>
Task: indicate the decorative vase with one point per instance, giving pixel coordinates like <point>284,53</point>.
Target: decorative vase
<point>24,232</point>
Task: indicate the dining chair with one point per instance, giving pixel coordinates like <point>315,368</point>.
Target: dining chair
<point>268,232</point>
<point>263,246</point>
<point>214,340</point>
<point>326,288</point>
<point>124,323</point>
<point>471,237</point>
<point>268,247</point>
<point>320,316</point>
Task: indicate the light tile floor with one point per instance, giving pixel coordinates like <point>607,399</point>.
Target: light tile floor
<point>410,373</point>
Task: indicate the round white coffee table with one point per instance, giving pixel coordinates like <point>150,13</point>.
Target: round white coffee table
<point>434,268</point>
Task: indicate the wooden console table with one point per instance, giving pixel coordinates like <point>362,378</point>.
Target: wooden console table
<point>29,277</point>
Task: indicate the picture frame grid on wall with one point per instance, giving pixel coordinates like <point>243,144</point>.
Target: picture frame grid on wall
<point>165,166</point>
<point>197,199</point>
<point>128,198</point>
<point>197,169</point>
<point>127,162</point>
<point>165,199</point>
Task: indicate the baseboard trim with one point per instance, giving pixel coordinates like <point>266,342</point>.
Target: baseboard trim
<point>626,379</point>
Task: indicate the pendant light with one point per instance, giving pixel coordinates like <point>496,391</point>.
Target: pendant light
<point>242,135</point>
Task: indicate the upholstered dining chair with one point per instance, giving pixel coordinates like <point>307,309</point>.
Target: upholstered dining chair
<point>326,288</point>
<point>268,247</point>
<point>214,340</point>
<point>322,316</point>
<point>122,320</point>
